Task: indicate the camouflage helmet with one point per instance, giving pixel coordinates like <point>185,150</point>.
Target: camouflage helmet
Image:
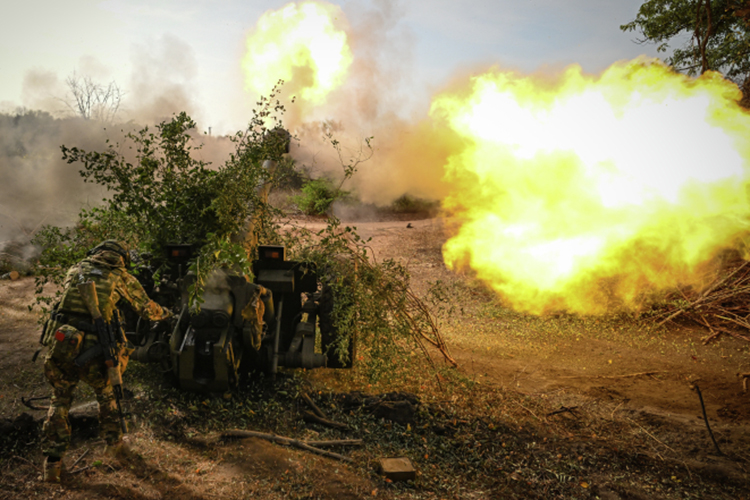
<point>278,139</point>
<point>118,247</point>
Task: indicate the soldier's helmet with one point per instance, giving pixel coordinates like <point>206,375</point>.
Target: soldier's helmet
<point>278,140</point>
<point>115,246</point>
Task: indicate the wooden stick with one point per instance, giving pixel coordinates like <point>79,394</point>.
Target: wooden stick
<point>564,409</point>
<point>79,459</point>
<point>311,417</point>
<point>80,470</point>
<point>287,441</point>
<point>731,333</point>
<point>632,374</point>
<point>743,324</point>
<point>306,398</point>
<point>616,376</point>
<point>652,436</point>
<point>713,335</point>
<point>703,296</point>
<point>705,418</point>
<point>531,412</point>
<point>336,442</point>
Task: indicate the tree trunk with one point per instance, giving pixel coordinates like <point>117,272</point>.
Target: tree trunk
<point>745,88</point>
<point>702,36</point>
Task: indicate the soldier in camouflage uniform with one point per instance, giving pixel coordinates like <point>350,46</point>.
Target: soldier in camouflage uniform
<point>68,333</point>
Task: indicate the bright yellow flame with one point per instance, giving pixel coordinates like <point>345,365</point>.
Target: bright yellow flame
<point>302,45</point>
<point>583,192</point>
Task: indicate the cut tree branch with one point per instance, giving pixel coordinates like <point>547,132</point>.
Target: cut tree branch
<point>286,441</point>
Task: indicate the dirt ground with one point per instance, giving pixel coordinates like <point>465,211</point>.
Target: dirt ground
<point>629,370</point>
<point>653,370</point>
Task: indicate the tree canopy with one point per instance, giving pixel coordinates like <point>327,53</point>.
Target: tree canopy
<point>716,34</point>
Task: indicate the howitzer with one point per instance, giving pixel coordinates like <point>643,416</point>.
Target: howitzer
<point>242,327</point>
<point>109,333</point>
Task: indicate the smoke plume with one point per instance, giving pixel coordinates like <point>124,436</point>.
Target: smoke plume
<point>40,188</point>
<point>408,153</point>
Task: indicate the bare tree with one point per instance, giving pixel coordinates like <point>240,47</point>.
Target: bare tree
<point>91,100</point>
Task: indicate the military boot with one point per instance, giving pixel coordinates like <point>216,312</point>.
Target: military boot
<point>52,469</point>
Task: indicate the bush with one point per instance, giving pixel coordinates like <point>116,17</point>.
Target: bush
<point>373,305</point>
<point>167,196</point>
<point>317,196</point>
<point>407,204</point>
<point>288,176</point>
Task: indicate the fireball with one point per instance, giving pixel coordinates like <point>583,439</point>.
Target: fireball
<point>586,193</point>
<point>305,45</point>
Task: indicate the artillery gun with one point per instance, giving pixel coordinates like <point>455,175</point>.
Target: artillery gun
<point>242,326</point>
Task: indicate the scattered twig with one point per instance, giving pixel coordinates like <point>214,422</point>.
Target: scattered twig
<point>82,469</point>
<point>79,459</point>
<point>336,442</point>
<point>744,377</point>
<point>743,324</point>
<point>652,436</point>
<point>723,308</point>
<point>25,460</point>
<point>703,297</point>
<point>311,417</point>
<point>714,333</point>
<point>287,441</point>
<point>629,375</point>
<point>531,412</point>
<point>564,409</point>
<point>718,330</point>
<point>705,419</point>
<point>612,416</point>
<point>308,400</point>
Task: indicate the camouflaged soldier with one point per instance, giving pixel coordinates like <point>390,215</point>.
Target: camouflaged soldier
<point>69,334</point>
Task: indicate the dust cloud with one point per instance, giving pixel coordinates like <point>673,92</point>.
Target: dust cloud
<point>38,186</point>
<point>162,81</point>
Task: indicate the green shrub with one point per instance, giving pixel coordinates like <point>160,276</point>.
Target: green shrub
<point>317,196</point>
<point>166,196</point>
<point>408,204</point>
<point>288,176</point>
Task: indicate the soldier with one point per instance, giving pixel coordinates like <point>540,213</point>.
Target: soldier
<point>70,334</point>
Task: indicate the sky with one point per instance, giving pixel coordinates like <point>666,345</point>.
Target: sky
<point>189,51</point>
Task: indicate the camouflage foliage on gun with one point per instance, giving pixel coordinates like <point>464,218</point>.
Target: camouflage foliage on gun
<point>109,333</point>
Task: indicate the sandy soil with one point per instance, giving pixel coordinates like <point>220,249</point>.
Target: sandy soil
<point>641,366</point>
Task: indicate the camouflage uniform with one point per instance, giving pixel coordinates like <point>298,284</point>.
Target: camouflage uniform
<point>68,335</point>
